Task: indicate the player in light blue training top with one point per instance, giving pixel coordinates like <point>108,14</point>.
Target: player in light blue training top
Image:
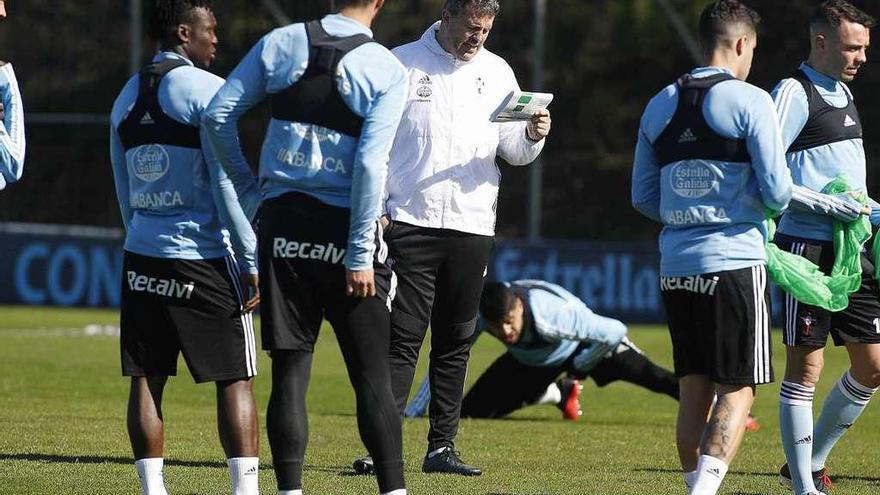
<point>822,132</point>
<point>12,141</point>
<point>172,210</point>
<point>548,332</point>
<point>182,288</point>
<point>336,100</point>
<point>708,163</point>
<point>336,168</point>
<point>712,209</point>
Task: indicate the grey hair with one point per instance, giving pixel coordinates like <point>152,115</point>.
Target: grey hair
<point>486,7</point>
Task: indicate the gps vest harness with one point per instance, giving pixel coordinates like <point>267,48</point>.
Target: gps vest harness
<point>147,123</point>
<point>688,135</point>
<point>314,98</point>
<point>826,123</point>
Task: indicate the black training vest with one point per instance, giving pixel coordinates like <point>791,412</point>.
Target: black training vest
<point>688,136</point>
<point>826,123</point>
<point>147,123</point>
<point>314,98</point>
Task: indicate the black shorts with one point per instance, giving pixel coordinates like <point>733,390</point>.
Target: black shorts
<point>809,325</point>
<point>302,245</point>
<point>720,325</point>
<point>170,306</point>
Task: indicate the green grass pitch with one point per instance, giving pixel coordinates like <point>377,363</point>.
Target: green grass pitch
<point>62,405</point>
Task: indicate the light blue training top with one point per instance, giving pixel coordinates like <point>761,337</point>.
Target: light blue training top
<point>713,211</point>
<point>560,327</point>
<point>335,168</point>
<point>178,206</point>
<point>814,168</point>
<point>12,140</point>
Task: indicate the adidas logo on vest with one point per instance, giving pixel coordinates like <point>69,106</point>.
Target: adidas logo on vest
<point>848,121</point>
<point>425,80</point>
<point>687,136</point>
<point>147,119</point>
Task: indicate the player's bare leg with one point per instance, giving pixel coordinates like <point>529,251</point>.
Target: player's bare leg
<point>146,431</point>
<point>865,363</point>
<point>697,393</point>
<point>722,437</point>
<point>144,420</point>
<point>237,418</point>
<point>727,421</point>
<point>237,426</point>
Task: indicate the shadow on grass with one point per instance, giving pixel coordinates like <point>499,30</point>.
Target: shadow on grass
<point>95,459</point>
<point>348,472</point>
<point>774,474</point>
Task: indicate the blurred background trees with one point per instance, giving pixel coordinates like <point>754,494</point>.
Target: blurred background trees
<point>604,60</point>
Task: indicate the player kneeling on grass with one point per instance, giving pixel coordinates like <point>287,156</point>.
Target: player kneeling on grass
<point>181,287</point>
<point>514,380</point>
<point>548,331</point>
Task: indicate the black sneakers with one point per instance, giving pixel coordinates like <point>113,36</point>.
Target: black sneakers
<point>448,462</point>
<point>820,479</point>
<point>364,465</point>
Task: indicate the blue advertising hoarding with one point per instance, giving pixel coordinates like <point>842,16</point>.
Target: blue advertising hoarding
<point>81,266</point>
<point>614,279</point>
<point>60,265</point>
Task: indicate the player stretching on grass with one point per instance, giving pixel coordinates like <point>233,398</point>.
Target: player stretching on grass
<point>823,134</point>
<point>537,354</point>
<point>337,97</point>
<point>549,332</point>
<point>180,287</point>
<point>709,160</point>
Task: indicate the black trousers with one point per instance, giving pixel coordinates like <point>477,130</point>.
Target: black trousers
<point>299,290</point>
<point>508,385</point>
<point>440,278</point>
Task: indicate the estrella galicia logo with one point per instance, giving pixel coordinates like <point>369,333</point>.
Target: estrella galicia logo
<point>314,132</point>
<point>424,92</point>
<point>692,180</point>
<point>150,162</point>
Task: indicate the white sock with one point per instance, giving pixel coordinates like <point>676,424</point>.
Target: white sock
<point>551,396</point>
<point>689,478</point>
<point>245,475</point>
<point>401,491</point>
<point>710,473</point>
<point>150,473</point>
<point>290,492</point>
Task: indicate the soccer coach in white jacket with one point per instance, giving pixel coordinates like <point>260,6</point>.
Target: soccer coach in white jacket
<point>442,193</point>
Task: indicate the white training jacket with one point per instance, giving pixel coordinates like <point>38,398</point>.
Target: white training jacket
<point>442,172</point>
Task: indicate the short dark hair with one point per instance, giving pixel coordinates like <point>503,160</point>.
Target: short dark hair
<point>833,12</point>
<point>496,301</point>
<point>486,7</point>
<point>341,4</point>
<point>168,14</point>
<point>719,17</point>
